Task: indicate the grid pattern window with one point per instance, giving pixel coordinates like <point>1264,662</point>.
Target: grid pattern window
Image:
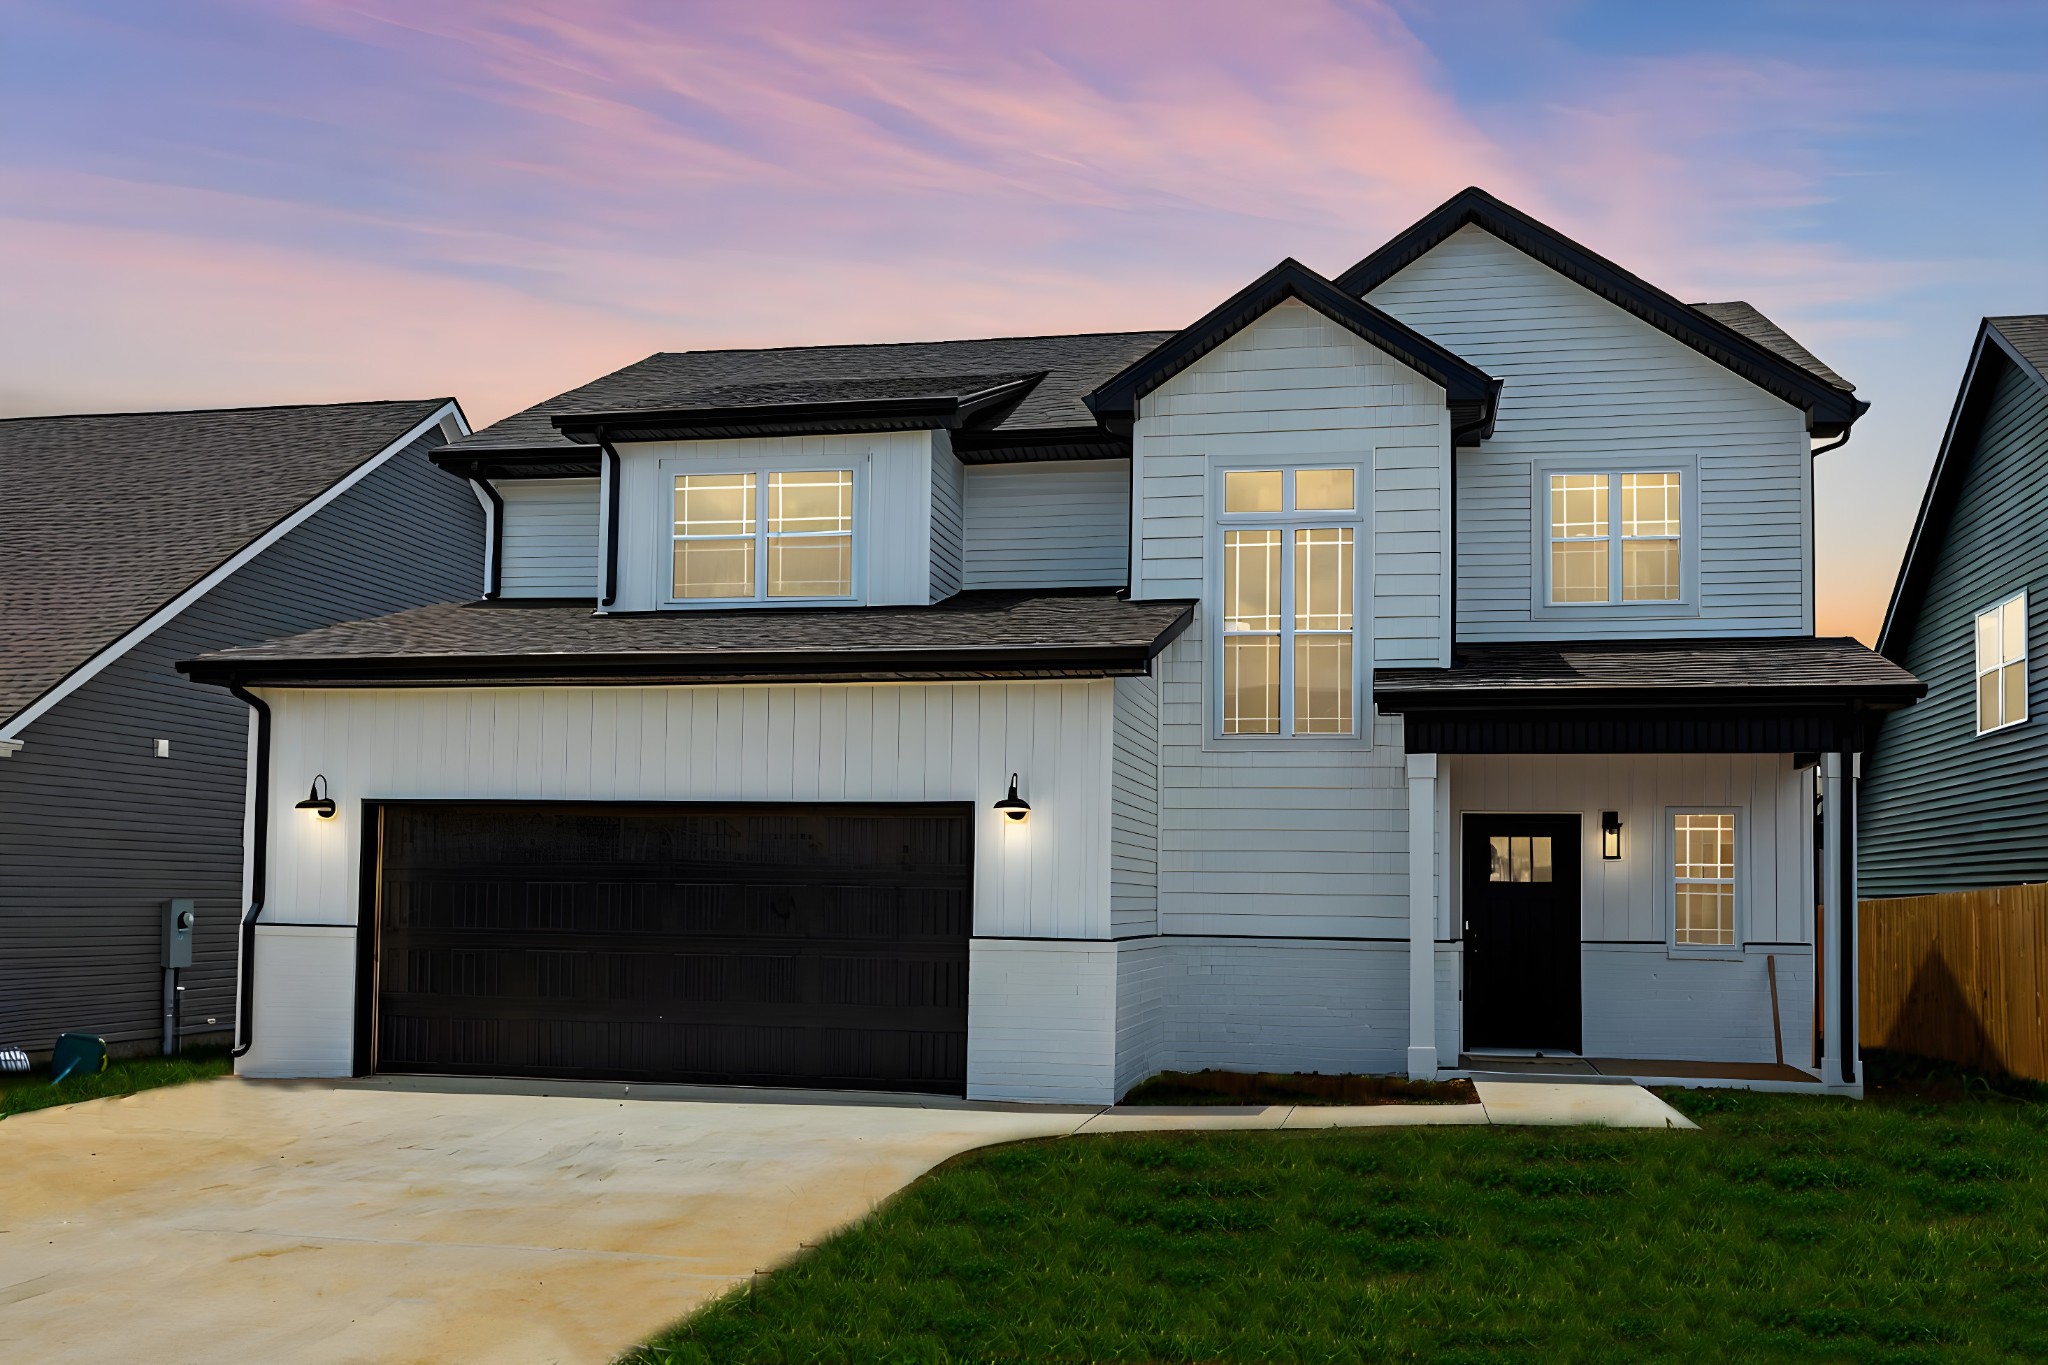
<point>1703,868</point>
<point>2002,665</point>
<point>749,535</point>
<point>1289,618</point>
<point>1615,538</point>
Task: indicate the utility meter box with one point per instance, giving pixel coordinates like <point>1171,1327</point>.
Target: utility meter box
<point>178,922</point>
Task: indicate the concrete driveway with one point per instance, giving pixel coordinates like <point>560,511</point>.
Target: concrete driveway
<point>401,1221</point>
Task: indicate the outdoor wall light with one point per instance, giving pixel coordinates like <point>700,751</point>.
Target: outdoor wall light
<point>1610,834</point>
<point>317,800</point>
<point>1014,807</point>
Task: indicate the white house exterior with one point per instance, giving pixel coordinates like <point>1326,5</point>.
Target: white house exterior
<point>1327,641</point>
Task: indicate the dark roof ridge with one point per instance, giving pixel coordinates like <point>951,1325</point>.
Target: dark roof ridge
<point>243,407</point>
<point>928,341</point>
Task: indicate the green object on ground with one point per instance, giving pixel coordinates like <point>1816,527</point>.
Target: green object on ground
<point>23,1091</point>
<point>1790,1228</point>
<point>76,1054</point>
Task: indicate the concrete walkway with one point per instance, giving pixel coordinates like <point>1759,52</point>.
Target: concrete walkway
<point>330,1223</point>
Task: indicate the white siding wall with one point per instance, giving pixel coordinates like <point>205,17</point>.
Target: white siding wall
<point>947,533</point>
<point>1047,877</point>
<point>1051,524</point>
<point>1134,809</point>
<point>893,539</point>
<point>1042,1021</point>
<point>550,540</point>
<point>1587,382</point>
<point>305,1002</point>
<point>1643,1003</point>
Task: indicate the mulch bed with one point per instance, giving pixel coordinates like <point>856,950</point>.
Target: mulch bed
<point>1266,1087</point>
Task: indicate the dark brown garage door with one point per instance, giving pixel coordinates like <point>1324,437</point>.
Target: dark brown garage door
<point>758,945</point>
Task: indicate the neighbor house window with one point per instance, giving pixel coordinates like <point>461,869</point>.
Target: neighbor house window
<point>763,535</point>
<point>1615,538</point>
<point>1289,635</point>
<point>1703,868</point>
<point>2002,665</point>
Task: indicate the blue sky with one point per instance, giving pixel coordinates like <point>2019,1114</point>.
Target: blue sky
<point>224,202</point>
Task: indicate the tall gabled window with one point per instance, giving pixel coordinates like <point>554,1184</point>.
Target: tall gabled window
<point>2002,665</point>
<point>1289,619</point>
<point>1615,538</point>
<point>731,543</point>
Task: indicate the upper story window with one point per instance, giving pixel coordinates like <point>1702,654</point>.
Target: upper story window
<point>2002,665</point>
<point>1289,640</point>
<point>751,534</point>
<point>1616,538</point>
<point>1703,878</point>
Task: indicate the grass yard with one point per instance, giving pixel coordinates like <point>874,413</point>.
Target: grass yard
<point>21,1091</point>
<point>1792,1228</point>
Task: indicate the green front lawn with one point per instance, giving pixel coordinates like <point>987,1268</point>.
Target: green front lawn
<point>1909,1229</point>
<point>21,1091</point>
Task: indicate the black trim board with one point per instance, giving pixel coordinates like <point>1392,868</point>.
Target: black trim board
<point>1831,411</point>
<point>1472,395</point>
<point>1680,729</point>
<point>1988,355</point>
<point>919,413</point>
<point>539,462</point>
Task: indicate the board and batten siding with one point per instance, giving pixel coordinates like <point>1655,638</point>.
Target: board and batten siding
<point>1134,809</point>
<point>1049,524</point>
<point>1588,384</point>
<point>549,541</point>
<point>893,527</point>
<point>1942,807</point>
<point>96,831</point>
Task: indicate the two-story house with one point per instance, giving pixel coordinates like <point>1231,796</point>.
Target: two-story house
<point>1378,674</point>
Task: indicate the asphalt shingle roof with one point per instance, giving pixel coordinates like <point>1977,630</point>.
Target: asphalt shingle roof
<point>105,518</point>
<point>1744,318</point>
<point>1582,672</point>
<point>2028,333</point>
<point>1074,366</point>
<point>996,633</point>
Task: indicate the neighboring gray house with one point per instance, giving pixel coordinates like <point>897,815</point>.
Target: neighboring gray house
<point>1956,795</point>
<point>132,540</point>
<point>1379,673</point>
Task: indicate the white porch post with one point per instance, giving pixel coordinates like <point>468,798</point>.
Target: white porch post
<point>1422,917</point>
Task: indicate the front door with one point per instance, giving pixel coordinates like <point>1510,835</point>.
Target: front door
<point>1521,917</point>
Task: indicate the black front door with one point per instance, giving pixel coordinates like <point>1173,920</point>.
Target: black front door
<point>1521,918</point>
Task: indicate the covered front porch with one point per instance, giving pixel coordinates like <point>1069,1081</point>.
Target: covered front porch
<point>1636,859</point>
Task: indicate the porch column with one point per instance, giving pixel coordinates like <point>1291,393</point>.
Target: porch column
<point>1422,917</point>
<point>1839,1052</point>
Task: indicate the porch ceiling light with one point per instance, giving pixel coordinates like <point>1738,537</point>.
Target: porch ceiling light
<point>1014,807</point>
<point>1610,834</point>
<point>317,800</point>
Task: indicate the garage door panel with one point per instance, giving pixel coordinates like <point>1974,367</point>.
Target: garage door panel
<point>792,945</point>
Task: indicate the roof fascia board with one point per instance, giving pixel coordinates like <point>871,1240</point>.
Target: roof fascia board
<point>1830,409</point>
<point>1964,418</point>
<point>857,414</point>
<point>91,668</point>
<point>1117,399</point>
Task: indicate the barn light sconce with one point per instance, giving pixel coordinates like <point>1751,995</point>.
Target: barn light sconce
<point>317,800</point>
<point>1610,834</point>
<point>1014,807</point>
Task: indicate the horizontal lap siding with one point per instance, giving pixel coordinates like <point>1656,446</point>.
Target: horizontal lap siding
<point>1047,877</point>
<point>1585,380</point>
<point>95,831</point>
<point>1309,841</point>
<point>1943,808</point>
<point>549,541</point>
<point>1057,524</point>
<point>1134,809</point>
<point>948,532</point>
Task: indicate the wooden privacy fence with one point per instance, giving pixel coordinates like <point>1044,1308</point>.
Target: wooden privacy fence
<point>1960,976</point>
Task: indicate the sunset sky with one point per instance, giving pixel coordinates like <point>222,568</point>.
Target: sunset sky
<point>225,203</point>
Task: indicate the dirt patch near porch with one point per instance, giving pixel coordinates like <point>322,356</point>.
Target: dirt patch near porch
<point>1269,1087</point>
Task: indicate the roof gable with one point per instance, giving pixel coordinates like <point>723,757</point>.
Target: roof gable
<point>1724,333</point>
<point>2020,342</point>
<point>111,518</point>
<point>1471,393</point>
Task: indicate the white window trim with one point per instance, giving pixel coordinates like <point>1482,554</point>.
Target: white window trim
<point>1363,716</point>
<point>2025,662</point>
<point>667,472</point>
<point>1736,950</point>
<point>1687,602</point>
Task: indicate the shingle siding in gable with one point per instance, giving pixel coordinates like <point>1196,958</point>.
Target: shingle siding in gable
<point>95,832</point>
<point>1584,381</point>
<point>1945,809</point>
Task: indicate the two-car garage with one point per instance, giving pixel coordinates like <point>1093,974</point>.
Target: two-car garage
<point>792,945</point>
